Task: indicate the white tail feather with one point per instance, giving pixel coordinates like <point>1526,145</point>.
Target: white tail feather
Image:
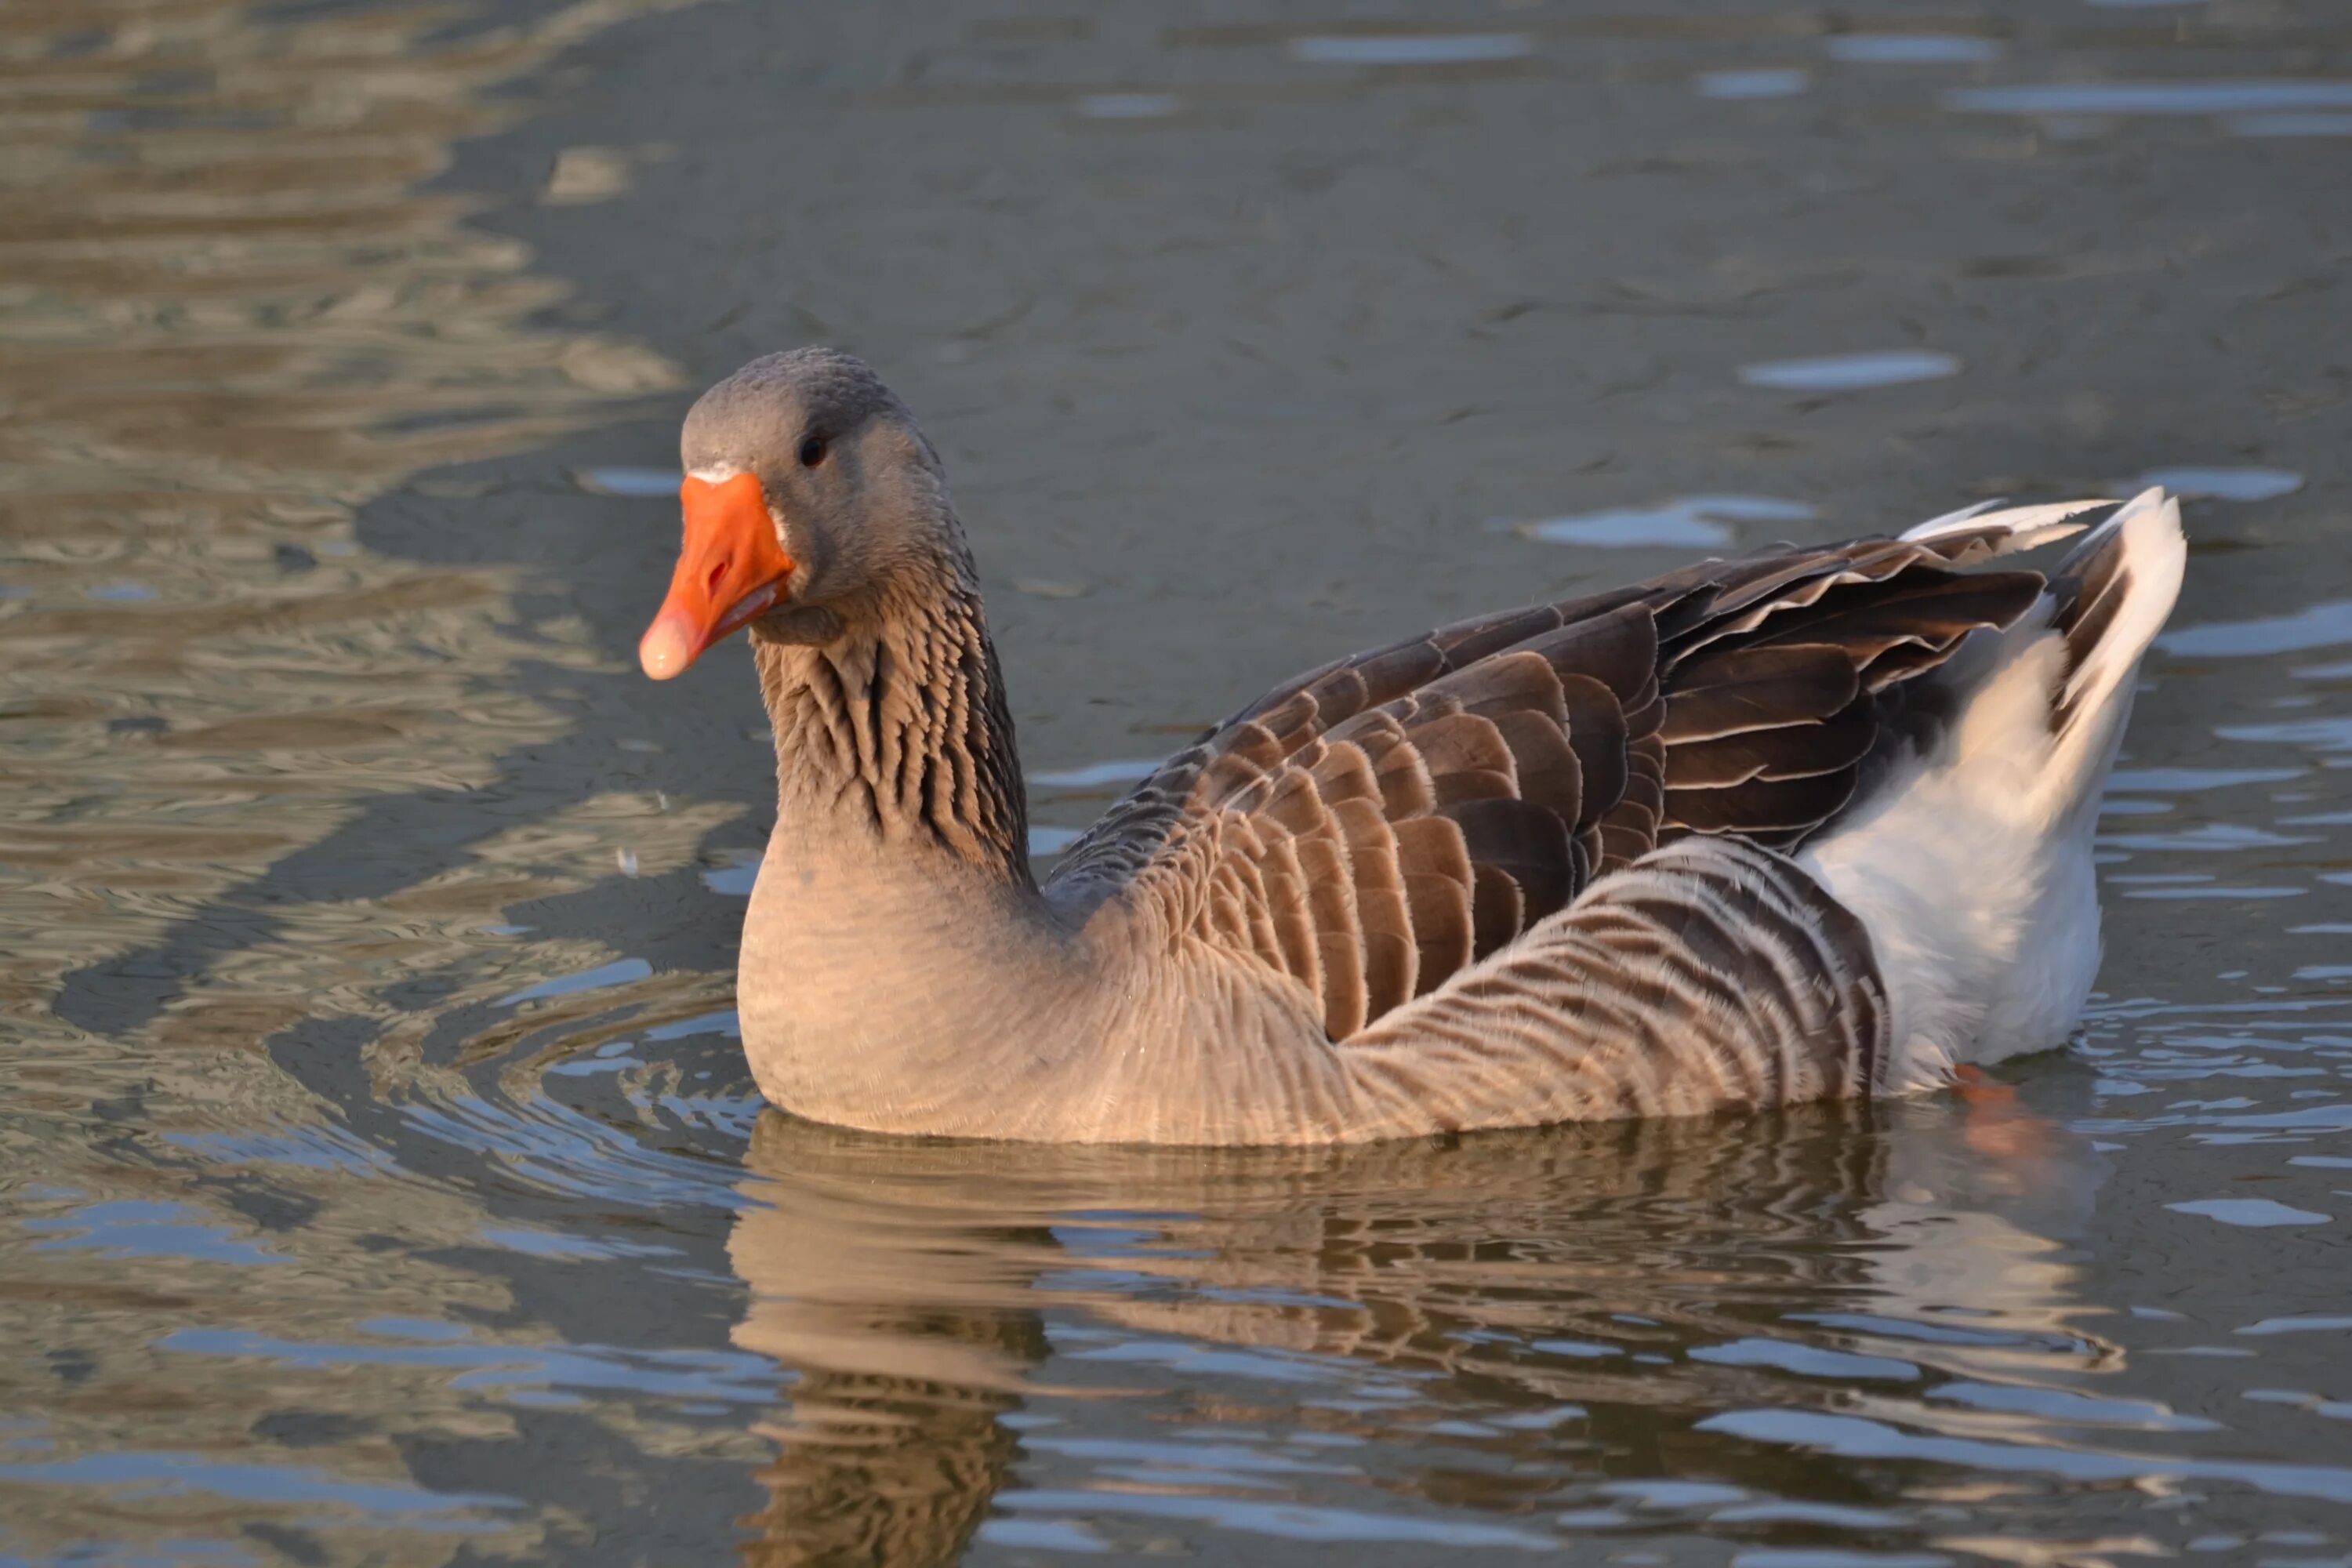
<point>2097,697</point>
<point>2028,526</point>
<point>1971,863</point>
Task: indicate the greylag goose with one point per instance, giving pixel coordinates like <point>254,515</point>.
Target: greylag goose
<point>1813,822</point>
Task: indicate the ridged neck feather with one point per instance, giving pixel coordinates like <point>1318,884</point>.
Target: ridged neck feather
<point>894,730</point>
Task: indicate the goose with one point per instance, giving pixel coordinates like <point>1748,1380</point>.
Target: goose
<point>1812,822</point>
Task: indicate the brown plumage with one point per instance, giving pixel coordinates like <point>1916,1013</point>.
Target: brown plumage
<point>1473,782</point>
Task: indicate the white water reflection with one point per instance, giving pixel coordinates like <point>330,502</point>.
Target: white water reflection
<point>1700,522</point>
<point>2254,1212</point>
<point>734,878</point>
<point>145,1228</point>
<point>2171,780</point>
<point>1912,48</point>
<point>1759,82</point>
<point>2314,625</point>
<point>521,1373</point>
<point>626,481</point>
<point>1411,48</point>
<point>1092,775</point>
<point>2319,734</point>
<point>1851,372</point>
<point>1128,105</point>
<point>2299,1325</point>
<point>1853,1437</point>
<point>2094,98</point>
<point>2238,484</point>
<point>620,972</point>
<point>2190,887</point>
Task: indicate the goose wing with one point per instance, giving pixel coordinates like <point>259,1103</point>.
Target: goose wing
<point>1384,821</point>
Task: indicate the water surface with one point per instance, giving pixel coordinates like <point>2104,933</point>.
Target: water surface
<point>380,1182</point>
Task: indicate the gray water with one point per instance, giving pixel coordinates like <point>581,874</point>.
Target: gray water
<point>379,1179</point>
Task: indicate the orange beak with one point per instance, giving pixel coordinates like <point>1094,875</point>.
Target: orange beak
<point>731,571</point>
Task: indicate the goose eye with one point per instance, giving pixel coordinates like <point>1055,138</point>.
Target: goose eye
<point>812,451</point>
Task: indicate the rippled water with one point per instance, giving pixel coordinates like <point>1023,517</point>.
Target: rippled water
<point>379,1180</point>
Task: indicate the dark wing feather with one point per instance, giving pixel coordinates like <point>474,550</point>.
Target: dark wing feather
<point>1380,823</point>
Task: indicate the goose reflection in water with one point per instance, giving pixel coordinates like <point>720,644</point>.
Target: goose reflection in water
<point>1580,1297</point>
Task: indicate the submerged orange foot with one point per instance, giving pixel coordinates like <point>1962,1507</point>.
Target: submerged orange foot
<point>1979,1087</point>
<point>1996,1124</point>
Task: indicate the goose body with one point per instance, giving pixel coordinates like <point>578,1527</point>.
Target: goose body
<point>1814,822</point>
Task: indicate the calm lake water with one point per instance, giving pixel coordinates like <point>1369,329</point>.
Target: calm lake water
<point>379,1180</point>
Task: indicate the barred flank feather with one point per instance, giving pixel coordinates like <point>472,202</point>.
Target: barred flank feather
<point>1710,975</point>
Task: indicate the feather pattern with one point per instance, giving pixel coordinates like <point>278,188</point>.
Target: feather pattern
<point>1471,782</point>
<point>1712,974</point>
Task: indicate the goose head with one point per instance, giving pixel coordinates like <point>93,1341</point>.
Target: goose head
<point>809,494</point>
